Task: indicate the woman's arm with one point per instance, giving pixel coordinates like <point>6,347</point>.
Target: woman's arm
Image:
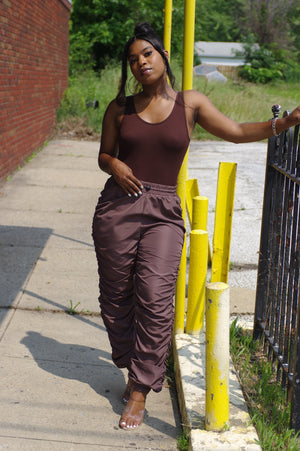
<point>216,123</point>
<point>107,159</point>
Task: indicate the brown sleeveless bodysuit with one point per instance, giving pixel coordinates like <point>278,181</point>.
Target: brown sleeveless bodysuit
<point>154,152</point>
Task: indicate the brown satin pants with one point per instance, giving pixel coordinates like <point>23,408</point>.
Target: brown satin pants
<point>138,243</point>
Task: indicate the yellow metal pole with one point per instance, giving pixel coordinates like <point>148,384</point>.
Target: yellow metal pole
<point>223,222</point>
<point>192,190</point>
<point>188,44</point>
<point>187,83</point>
<point>181,279</point>
<point>168,26</point>
<point>217,356</point>
<point>199,217</point>
<point>200,211</point>
<point>197,281</point>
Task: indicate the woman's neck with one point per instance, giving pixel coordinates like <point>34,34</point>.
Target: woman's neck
<point>159,90</point>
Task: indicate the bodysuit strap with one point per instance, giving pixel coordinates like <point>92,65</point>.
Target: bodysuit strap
<point>129,106</point>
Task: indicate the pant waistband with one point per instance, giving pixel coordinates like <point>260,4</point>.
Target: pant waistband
<point>149,186</point>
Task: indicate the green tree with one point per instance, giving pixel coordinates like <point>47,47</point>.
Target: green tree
<point>270,21</point>
<point>294,21</point>
<point>217,20</point>
<point>100,28</point>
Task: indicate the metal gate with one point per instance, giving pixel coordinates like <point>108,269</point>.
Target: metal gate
<point>277,310</point>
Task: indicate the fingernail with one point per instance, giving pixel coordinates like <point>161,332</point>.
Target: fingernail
<point>129,195</point>
<point>140,193</point>
<point>136,194</point>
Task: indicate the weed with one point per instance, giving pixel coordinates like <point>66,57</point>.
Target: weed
<point>183,441</point>
<point>72,308</point>
<point>31,157</point>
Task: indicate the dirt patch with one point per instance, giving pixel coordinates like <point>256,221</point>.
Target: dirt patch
<point>75,128</point>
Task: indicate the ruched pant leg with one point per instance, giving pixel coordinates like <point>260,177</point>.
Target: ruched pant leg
<point>116,243</point>
<point>118,310</point>
<point>138,244</point>
<point>157,265</point>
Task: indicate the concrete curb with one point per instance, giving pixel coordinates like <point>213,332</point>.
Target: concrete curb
<point>189,357</point>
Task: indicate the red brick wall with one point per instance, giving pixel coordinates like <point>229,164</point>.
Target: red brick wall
<point>34,41</point>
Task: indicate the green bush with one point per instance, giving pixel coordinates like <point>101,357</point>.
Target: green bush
<point>261,74</point>
<point>262,64</point>
<point>292,73</point>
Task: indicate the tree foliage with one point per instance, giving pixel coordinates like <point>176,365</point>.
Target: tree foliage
<point>269,20</point>
<point>100,28</point>
<point>218,20</point>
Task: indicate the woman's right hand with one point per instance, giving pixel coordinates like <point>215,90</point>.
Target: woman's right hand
<point>123,175</point>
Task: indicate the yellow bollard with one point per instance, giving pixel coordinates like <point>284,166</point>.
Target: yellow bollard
<point>168,26</point>
<point>200,210</point>
<point>217,356</point>
<point>188,44</point>
<point>199,218</point>
<point>187,83</point>
<point>197,282</point>
<point>180,291</point>
<point>223,222</point>
<point>192,190</point>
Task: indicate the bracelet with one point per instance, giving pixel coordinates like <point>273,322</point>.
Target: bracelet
<point>273,123</point>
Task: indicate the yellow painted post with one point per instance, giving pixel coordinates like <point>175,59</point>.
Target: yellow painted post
<point>192,190</point>
<point>187,83</point>
<point>199,218</point>
<point>188,44</point>
<point>223,222</point>
<point>180,292</point>
<point>200,210</point>
<point>197,282</point>
<point>217,356</point>
<point>168,25</point>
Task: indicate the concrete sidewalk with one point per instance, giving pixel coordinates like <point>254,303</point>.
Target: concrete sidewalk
<point>59,389</point>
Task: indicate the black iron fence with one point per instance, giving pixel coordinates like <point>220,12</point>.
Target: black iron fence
<point>277,311</point>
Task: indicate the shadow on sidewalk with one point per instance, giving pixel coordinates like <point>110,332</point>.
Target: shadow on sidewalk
<point>20,249</point>
<point>90,366</point>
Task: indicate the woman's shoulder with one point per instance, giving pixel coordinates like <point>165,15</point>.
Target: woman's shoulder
<point>192,96</point>
<point>118,107</point>
<point>195,100</point>
<point>116,110</point>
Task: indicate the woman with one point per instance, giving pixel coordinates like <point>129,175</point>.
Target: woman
<point>137,229</point>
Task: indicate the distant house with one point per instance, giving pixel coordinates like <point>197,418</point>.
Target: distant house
<point>222,55</point>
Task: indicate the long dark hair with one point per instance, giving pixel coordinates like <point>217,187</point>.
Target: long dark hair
<point>144,32</point>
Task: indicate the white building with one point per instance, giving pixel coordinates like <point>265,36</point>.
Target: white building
<point>219,53</point>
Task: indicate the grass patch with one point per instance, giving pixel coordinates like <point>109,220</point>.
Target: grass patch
<point>267,404</point>
<point>241,101</point>
<point>247,102</point>
<point>183,442</point>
